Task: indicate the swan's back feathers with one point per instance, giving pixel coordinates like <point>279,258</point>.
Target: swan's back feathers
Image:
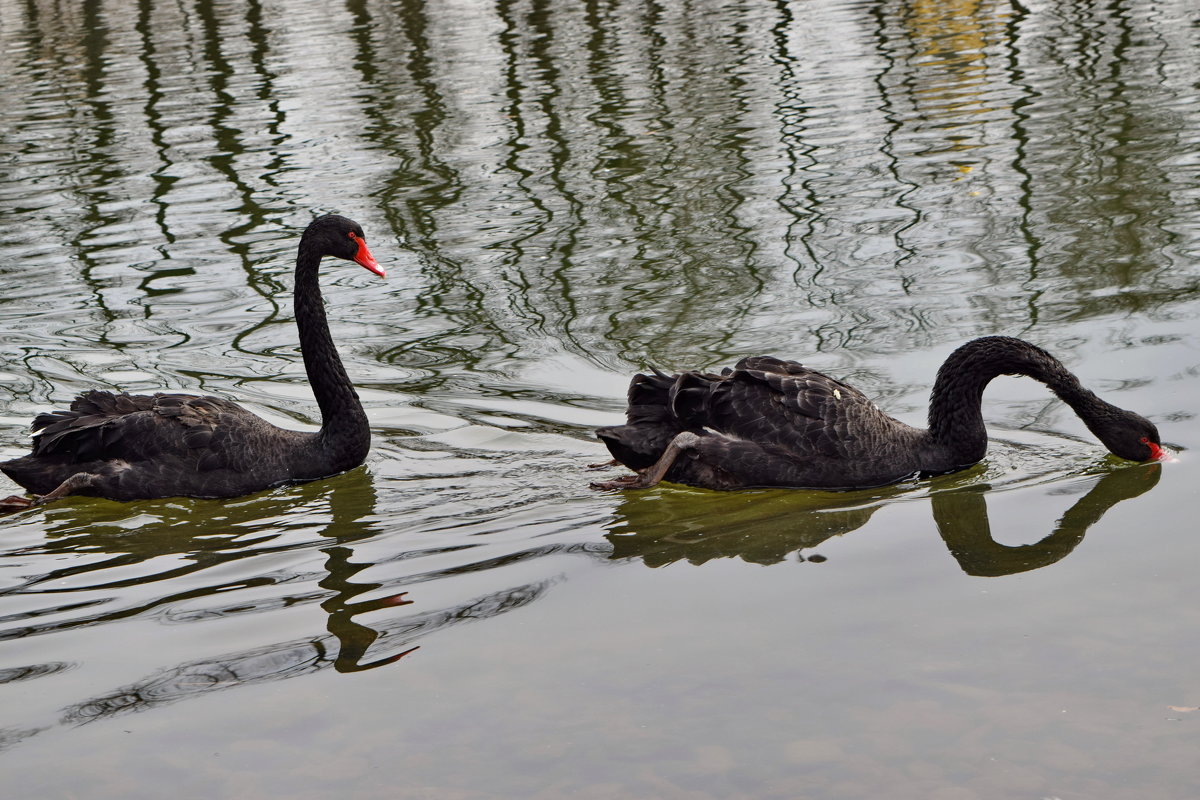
<point>764,422</point>
<point>85,429</point>
<point>786,404</point>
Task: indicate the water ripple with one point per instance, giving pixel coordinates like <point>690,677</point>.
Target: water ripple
<point>564,194</point>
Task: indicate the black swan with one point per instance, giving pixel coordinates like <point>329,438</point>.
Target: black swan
<point>769,422</point>
<point>127,447</point>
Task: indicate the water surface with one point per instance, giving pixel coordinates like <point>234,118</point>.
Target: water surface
<point>563,194</point>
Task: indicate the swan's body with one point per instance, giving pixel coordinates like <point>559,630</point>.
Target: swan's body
<point>768,422</point>
<point>126,447</point>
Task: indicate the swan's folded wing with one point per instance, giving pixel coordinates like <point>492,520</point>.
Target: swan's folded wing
<point>205,426</point>
<point>783,404</point>
<point>103,426</point>
<point>87,431</point>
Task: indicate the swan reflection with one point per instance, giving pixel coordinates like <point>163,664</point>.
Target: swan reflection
<point>190,541</point>
<point>962,520</point>
<point>765,527</point>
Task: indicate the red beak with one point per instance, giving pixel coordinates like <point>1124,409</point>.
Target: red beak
<point>1157,453</point>
<point>364,258</point>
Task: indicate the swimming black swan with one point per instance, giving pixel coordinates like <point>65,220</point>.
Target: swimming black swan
<point>126,447</point>
<point>768,422</point>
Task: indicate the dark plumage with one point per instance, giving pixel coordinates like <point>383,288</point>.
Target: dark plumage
<point>768,422</point>
<point>126,447</point>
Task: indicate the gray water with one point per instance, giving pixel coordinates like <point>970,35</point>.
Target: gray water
<point>564,193</point>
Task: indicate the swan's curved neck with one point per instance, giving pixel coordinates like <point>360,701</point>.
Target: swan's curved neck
<point>344,434</point>
<point>955,414</point>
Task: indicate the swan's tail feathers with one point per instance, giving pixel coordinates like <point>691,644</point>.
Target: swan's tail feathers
<point>661,407</point>
<point>650,398</point>
<point>691,396</point>
<point>637,446</point>
<point>40,475</point>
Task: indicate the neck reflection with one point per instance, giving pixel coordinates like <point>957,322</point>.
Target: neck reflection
<point>663,527</point>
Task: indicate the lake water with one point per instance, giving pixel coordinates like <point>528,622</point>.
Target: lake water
<point>565,193</point>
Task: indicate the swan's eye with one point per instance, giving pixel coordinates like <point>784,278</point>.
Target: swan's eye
<point>1145,440</point>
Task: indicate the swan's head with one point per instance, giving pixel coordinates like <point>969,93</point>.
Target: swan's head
<point>341,237</point>
<point>1130,436</point>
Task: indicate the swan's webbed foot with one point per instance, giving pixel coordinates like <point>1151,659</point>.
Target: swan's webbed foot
<point>14,503</point>
<point>612,462</point>
<point>623,482</point>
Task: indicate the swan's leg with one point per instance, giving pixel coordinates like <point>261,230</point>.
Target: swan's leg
<point>80,480</point>
<point>654,473</point>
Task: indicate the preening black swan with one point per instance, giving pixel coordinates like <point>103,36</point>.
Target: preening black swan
<point>127,447</point>
<point>768,422</point>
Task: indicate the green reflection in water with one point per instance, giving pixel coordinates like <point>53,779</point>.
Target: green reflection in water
<point>584,189</point>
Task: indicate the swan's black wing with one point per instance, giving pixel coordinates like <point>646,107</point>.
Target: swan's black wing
<point>779,403</point>
<point>102,426</point>
<point>766,422</point>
